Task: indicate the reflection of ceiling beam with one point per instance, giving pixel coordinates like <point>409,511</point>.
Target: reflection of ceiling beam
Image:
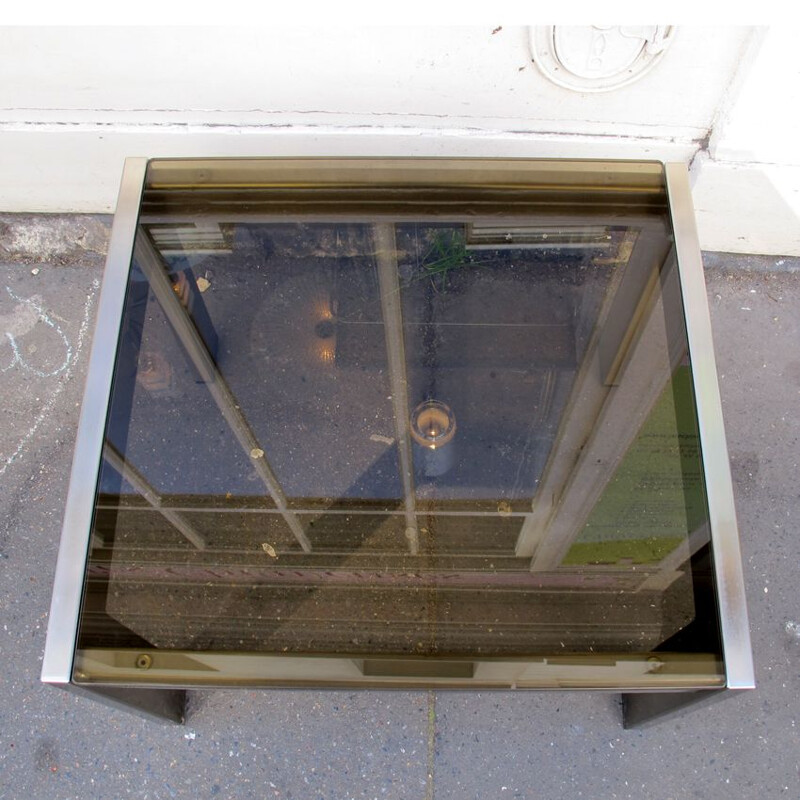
<point>138,482</point>
<point>606,349</point>
<point>649,362</point>
<point>583,404</point>
<point>386,255</point>
<point>150,262</point>
<point>369,215</point>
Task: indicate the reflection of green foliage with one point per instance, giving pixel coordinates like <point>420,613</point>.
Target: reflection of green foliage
<point>637,551</point>
<point>448,251</point>
<point>657,496</point>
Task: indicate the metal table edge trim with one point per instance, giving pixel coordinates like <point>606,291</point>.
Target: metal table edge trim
<point>62,627</point>
<point>735,630</point>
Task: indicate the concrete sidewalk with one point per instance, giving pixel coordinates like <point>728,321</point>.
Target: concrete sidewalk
<point>364,744</point>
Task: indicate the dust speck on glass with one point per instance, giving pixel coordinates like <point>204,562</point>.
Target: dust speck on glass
<point>394,417</point>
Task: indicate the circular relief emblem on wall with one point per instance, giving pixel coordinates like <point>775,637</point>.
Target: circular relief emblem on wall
<point>598,58</point>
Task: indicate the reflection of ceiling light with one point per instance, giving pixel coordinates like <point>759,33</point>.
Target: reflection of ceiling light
<point>302,306</point>
<point>326,350</point>
<point>433,427</point>
<point>433,424</point>
<point>325,330</point>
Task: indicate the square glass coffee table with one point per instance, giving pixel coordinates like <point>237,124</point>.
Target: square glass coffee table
<point>398,423</point>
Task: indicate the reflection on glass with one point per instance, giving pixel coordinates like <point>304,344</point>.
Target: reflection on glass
<point>656,494</point>
<point>395,429</point>
<point>433,427</point>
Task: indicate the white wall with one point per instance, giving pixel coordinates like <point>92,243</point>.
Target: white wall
<point>75,101</point>
<point>747,188</point>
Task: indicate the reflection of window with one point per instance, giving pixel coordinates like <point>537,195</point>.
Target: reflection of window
<point>656,494</point>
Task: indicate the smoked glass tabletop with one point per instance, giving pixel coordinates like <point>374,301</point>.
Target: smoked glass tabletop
<point>396,423</point>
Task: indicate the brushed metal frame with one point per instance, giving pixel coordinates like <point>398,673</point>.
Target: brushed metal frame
<point>737,649</point>
<point>65,606</point>
<point>642,709</point>
<point>639,708</point>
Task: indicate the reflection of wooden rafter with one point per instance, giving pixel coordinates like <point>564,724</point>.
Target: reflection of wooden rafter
<point>586,397</point>
<point>636,352</point>
<point>150,262</point>
<point>138,482</point>
<point>386,255</point>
